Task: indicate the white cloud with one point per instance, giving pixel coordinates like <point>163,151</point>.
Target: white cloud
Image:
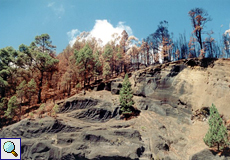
<point>72,36</point>
<point>50,4</point>
<point>227,32</point>
<point>58,10</point>
<point>124,27</point>
<point>104,30</point>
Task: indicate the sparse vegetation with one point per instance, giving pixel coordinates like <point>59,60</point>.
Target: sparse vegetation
<point>78,86</point>
<point>143,128</point>
<point>40,121</point>
<point>3,103</point>
<point>55,110</point>
<point>31,115</point>
<point>41,110</point>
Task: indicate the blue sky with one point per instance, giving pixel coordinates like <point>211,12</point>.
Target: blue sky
<point>22,20</point>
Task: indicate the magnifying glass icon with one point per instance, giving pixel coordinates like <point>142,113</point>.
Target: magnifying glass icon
<point>9,147</point>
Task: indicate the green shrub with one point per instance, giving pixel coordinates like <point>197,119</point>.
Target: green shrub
<point>31,115</point>
<point>56,108</point>
<point>3,103</point>
<point>78,86</point>
<point>42,107</point>
<point>41,110</point>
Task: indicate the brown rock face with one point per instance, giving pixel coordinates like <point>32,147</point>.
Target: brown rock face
<point>190,84</point>
<point>89,126</point>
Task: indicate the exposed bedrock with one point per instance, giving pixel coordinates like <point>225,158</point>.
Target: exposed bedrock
<point>54,139</point>
<point>185,85</point>
<point>76,103</point>
<point>89,109</point>
<point>96,114</point>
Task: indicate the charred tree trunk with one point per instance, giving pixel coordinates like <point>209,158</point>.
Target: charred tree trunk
<point>84,79</point>
<point>40,88</point>
<point>3,89</point>
<point>200,40</point>
<point>69,89</point>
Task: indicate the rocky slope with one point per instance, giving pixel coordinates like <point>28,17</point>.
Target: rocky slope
<point>89,126</point>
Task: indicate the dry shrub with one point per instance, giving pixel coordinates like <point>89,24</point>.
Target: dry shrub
<point>49,114</point>
<point>41,110</point>
<point>49,107</point>
<point>31,115</point>
<point>55,110</point>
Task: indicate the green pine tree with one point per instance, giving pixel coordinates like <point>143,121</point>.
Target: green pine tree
<point>119,59</point>
<point>84,60</point>
<point>8,56</point>
<point>12,105</point>
<point>43,59</point>
<point>106,70</point>
<point>108,53</point>
<point>31,89</point>
<point>126,96</point>
<point>97,64</point>
<point>20,90</point>
<point>21,93</point>
<point>217,134</point>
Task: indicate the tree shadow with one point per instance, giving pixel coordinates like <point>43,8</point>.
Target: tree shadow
<point>133,113</point>
<point>225,152</point>
<point>204,62</point>
<point>31,108</point>
<point>7,121</point>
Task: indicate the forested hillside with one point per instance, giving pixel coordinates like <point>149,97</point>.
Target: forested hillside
<point>33,75</point>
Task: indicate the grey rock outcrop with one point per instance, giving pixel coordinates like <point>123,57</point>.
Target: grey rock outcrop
<point>116,86</point>
<point>207,154</point>
<point>48,138</point>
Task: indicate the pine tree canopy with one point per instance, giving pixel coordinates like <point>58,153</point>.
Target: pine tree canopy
<point>126,95</point>
<point>12,105</point>
<point>217,134</point>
